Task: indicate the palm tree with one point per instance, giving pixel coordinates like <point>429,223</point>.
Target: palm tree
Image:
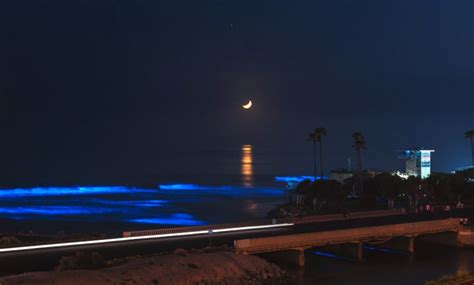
<point>359,144</point>
<point>470,135</point>
<point>320,133</point>
<point>313,138</point>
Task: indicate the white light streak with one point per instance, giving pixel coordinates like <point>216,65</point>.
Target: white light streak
<point>126,239</point>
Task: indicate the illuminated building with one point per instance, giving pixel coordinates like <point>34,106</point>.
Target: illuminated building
<point>417,162</point>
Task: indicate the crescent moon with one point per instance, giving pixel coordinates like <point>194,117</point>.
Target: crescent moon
<point>248,105</point>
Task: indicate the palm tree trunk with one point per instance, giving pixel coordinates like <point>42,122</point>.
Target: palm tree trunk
<point>359,166</point>
<point>359,161</point>
<point>321,158</point>
<point>472,151</point>
<point>315,161</point>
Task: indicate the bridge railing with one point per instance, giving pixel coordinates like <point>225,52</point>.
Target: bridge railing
<point>194,228</point>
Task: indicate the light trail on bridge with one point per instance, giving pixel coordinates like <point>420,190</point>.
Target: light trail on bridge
<point>160,236</point>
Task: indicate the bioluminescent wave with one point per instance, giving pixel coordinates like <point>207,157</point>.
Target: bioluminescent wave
<point>67,191</point>
<point>53,210</point>
<point>120,208</point>
<point>298,178</point>
<point>224,190</point>
<point>131,203</point>
<point>175,219</point>
<point>193,187</point>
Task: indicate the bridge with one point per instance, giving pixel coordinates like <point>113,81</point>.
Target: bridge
<point>287,236</point>
<point>294,245</point>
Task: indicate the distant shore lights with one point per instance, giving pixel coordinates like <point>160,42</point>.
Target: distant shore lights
<point>247,165</point>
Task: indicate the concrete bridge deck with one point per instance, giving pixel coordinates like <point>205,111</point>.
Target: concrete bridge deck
<point>354,235</point>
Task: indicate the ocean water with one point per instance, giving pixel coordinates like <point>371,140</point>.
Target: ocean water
<point>196,189</point>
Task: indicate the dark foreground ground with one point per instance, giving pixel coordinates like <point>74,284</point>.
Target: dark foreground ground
<point>182,267</point>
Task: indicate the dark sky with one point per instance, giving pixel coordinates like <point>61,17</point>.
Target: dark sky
<point>93,85</point>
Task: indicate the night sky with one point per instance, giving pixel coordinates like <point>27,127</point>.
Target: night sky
<point>97,88</point>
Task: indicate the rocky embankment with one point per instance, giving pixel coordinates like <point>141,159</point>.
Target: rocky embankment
<point>182,267</point>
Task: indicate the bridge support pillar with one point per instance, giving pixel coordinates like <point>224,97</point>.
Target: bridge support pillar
<point>301,258</point>
<point>293,257</point>
<point>411,245</point>
<point>360,251</point>
<point>465,237</point>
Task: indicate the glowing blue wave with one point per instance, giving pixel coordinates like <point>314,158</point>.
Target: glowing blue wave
<point>193,187</point>
<point>53,210</point>
<point>176,219</point>
<point>298,178</point>
<point>132,203</point>
<point>119,204</point>
<point>63,191</point>
<point>224,190</point>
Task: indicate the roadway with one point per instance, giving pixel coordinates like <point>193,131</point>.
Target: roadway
<point>44,257</point>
